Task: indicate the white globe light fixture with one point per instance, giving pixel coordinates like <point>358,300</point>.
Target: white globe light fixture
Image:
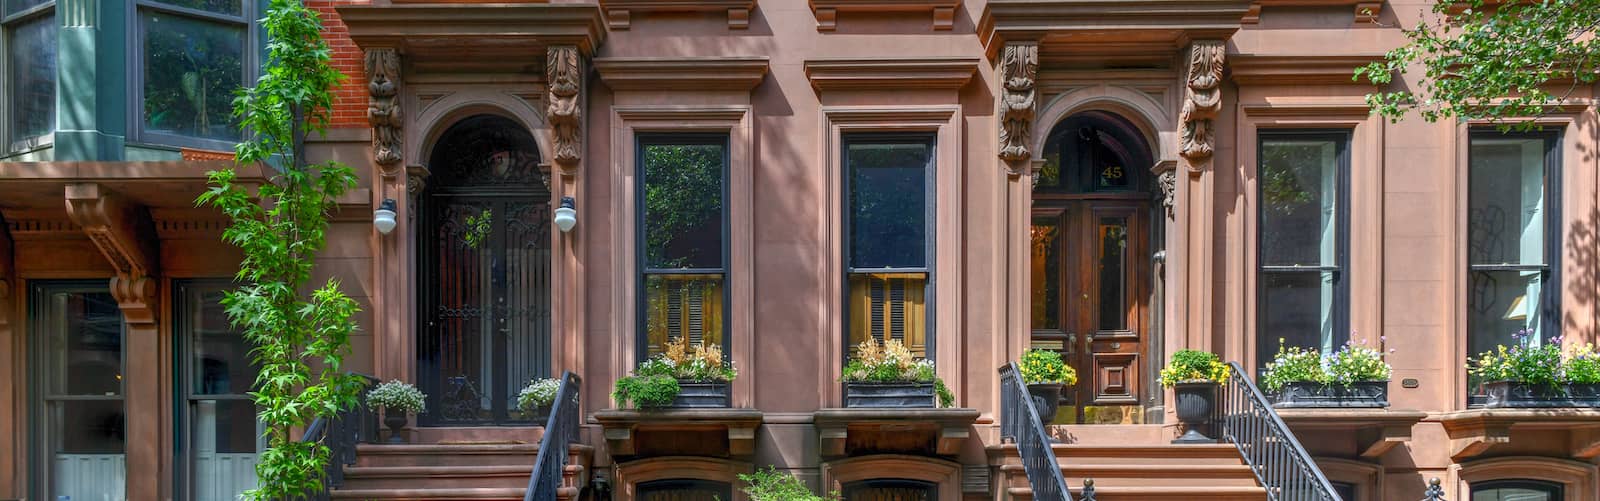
<point>566,215</point>
<point>383,218</point>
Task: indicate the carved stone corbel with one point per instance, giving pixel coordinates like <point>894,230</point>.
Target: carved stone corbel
<point>383,107</point>
<point>122,233</point>
<point>416,181</point>
<point>1167,180</point>
<point>1019,67</point>
<point>1202,102</point>
<point>564,79</point>
<point>136,296</point>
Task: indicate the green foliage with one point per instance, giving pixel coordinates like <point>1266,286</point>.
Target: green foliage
<point>773,485</point>
<point>538,393</point>
<point>1354,362</point>
<point>891,362</point>
<point>1293,365</point>
<point>397,395</point>
<point>478,228</point>
<point>1193,366</point>
<point>1491,60</point>
<point>299,341</point>
<point>1046,366</point>
<point>645,391</point>
<point>1582,366</point>
<point>1523,363</point>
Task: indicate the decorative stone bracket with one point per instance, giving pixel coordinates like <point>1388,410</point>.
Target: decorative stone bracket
<point>564,81</point>
<point>1202,101</point>
<point>1019,69</point>
<point>383,107</point>
<point>1474,433</point>
<point>841,430</point>
<point>678,431</point>
<point>119,229</point>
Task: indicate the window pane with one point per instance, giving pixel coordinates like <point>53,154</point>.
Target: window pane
<point>32,53</point>
<point>890,306</point>
<point>218,6</point>
<point>890,490</point>
<point>85,332</point>
<point>678,306</point>
<point>219,355</point>
<point>1505,220</point>
<point>85,440</point>
<point>684,490</point>
<point>1113,235</point>
<point>1517,491</point>
<point>1500,304</point>
<point>1299,201</point>
<point>13,6</point>
<point>683,206</point>
<point>888,204</point>
<point>191,70</point>
<point>224,435</point>
<point>1347,492</point>
<point>1045,271</point>
<point>87,460</point>
<point>1298,308</point>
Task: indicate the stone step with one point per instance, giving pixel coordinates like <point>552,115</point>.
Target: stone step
<point>431,494</point>
<point>1208,454</point>
<point>1165,493</point>
<point>469,435</point>
<point>1135,475</point>
<point>436,477</point>
<point>447,455</point>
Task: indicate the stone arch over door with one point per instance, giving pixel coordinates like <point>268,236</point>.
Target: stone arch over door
<point>434,118</point>
<point>1140,109</point>
<point>944,475</point>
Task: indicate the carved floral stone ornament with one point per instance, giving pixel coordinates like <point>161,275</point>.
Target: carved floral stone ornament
<point>563,76</point>
<point>1201,103</point>
<point>383,109</point>
<point>1167,180</point>
<point>1019,65</point>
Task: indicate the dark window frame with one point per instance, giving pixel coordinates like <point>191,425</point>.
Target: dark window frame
<point>1550,298</point>
<point>14,144</point>
<point>251,57</point>
<point>1340,269</point>
<point>725,489</point>
<point>930,203</point>
<point>642,273</point>
<point>850,489</point>
<point>38,352</point>
<point>1555,490</point>
<point>182,388</point>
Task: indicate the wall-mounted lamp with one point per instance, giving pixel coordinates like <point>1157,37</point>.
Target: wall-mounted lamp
<point>566,215</point>
<point>383,218</point>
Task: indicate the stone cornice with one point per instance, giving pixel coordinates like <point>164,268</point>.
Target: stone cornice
<point>687,73</point>
<point>1375,430</point>
<point>1365,11</point>
<point>1299,69</point>
<point>1474,432</point>
<point>619,13</point>
<point>122,231</point>
<point>1178,20</point>
<point>492,26</point>
<point>948,73</point>
<point>826,11</point>
<point>624,429</point>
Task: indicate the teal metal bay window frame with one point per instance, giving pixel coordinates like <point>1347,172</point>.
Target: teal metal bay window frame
<point>251,56</point>
<point>18,17</point>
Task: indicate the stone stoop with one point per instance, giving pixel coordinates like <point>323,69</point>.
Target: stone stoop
<point>474,465</point>
<point>1143,467</point>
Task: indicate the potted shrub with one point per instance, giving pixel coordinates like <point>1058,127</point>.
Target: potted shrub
<point>536,398</point>
<point>682,376</point>
<point>1194,377</point>
<point>1046,374</point>
<point>1356,376</point>
<point>397,399</point>
<point>886,375</point>
<point>773,485</point>
<point>1522,376</point>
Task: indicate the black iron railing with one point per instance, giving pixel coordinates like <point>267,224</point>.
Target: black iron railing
<point>559,434</point>
<point>1284,468</point>
<point>341,434</point>
<point>1020,423</point>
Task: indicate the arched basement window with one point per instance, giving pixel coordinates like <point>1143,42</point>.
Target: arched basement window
<point>890,490</point>
<point>684,490</point>
<point>1517,490</point>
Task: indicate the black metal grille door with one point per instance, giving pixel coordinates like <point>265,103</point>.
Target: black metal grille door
<point>484,274</point>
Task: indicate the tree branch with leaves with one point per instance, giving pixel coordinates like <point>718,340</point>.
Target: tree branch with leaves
<point>1486,60</point>
<point>300,337</point>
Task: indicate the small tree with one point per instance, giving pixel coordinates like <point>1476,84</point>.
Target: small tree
<point>300,339</point>
<point>1501,61</point>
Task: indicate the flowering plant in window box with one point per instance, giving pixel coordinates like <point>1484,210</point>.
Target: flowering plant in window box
<point>1538,376</point>
<point>682,376</point>
<point>1046,374</point>
<point>885,374</point>
<point>1356,376</point>
<point>397,398</point>
<point>536,398</point>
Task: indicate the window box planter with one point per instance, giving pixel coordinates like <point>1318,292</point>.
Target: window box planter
<point>907,394</point>
<point>702,395</point>
<point>1514,395</point>
<point>1307,394</point>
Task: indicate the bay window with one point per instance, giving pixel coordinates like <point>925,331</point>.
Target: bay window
<point>29,28</point>
<point>683,251</point>
<point>193,56</point>
<point>1303,288</point>
<point>888,244</point>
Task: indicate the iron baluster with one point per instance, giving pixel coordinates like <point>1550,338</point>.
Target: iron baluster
<point>559,433</point>
<point>1019,421</point>
<point>340,433</point>
<point>1434,492</point>
<point>1088,490</point>
<point>1266,444</point>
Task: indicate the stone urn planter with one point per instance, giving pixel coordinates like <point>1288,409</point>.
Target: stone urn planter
<point>396,421</point>
<point>1358,395</point>
<point>905,394</point>
<point>1046,399</point>
<point>1195,403</point>
<point>702,395</point>
<point>1515,395</point>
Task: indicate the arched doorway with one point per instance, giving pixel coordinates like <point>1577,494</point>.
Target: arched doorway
<point>483,273</point>
<point>1090,266</point>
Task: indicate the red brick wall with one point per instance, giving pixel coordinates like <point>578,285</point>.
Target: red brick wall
<point>350,99</point>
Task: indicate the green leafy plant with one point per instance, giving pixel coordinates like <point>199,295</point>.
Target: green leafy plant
<point>538,393</point>
<point>891,362</point>
<point>655,382</point>
<point>1582,366</point>
<point>1522,363</point>
<point>1356,362</point>
<point>300,339</point>
<point>478,228</point>
<point>1190,366</point>
<point>773,485</point>
<point>1293,365</point>
<point>1046,366</point>
<point>397,395</point>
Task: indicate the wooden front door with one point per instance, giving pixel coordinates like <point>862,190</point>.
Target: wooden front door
<point>1090,270</point>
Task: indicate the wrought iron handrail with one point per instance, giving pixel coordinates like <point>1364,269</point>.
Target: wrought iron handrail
<point>341,434</point>
<point>1019,421</point>
<point>1267,445</point>
<point>560,431</point>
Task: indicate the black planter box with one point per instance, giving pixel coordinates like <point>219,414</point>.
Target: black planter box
<point>702,395</point>
<point>538,415</point>
<point>1513,395</point>
<point>900,394</point>
<point>1307,395</point>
